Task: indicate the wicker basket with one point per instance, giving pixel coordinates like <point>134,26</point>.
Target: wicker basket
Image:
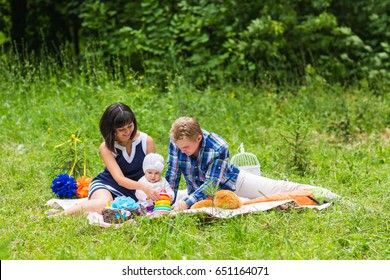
<point>118,216</point>
<point>246,161</point>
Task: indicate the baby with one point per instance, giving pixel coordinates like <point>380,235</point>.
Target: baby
<point>153,165</point>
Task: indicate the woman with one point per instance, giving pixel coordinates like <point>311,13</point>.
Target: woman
<point>123,151</point>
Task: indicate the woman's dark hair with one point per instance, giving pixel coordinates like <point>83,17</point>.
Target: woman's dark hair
<point>115,116</point>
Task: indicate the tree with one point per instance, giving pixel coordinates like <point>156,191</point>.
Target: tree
<point>18,22</point>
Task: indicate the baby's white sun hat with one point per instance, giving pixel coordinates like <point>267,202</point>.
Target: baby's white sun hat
<point>153,161</point>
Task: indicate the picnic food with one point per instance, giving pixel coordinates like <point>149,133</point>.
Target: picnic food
<point>223,199</point>
<point>227,200</point>
<point>203,203</point>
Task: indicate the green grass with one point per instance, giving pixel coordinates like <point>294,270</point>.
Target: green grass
<point>347,150</point>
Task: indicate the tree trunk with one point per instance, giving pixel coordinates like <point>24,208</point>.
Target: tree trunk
<point>18,20</point>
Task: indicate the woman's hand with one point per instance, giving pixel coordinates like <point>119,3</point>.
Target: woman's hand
<point>181,205</point>
<point>150,192</point>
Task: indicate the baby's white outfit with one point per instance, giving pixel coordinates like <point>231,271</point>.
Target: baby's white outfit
<point>158,186</point>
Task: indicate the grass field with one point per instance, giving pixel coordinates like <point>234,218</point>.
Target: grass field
<point>319,134</point>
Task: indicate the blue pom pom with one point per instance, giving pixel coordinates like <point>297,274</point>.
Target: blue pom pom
<point>122,202</point>
<point>64,186</point>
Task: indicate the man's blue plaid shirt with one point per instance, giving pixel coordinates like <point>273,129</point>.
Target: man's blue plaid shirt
<point>211,166</point>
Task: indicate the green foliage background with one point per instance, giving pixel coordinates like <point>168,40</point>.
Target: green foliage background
<point>207,41</point>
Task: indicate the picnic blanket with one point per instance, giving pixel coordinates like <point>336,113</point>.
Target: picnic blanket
<point>97,219</point>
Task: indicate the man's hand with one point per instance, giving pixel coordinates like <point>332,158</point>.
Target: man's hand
<point>180,206</point>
